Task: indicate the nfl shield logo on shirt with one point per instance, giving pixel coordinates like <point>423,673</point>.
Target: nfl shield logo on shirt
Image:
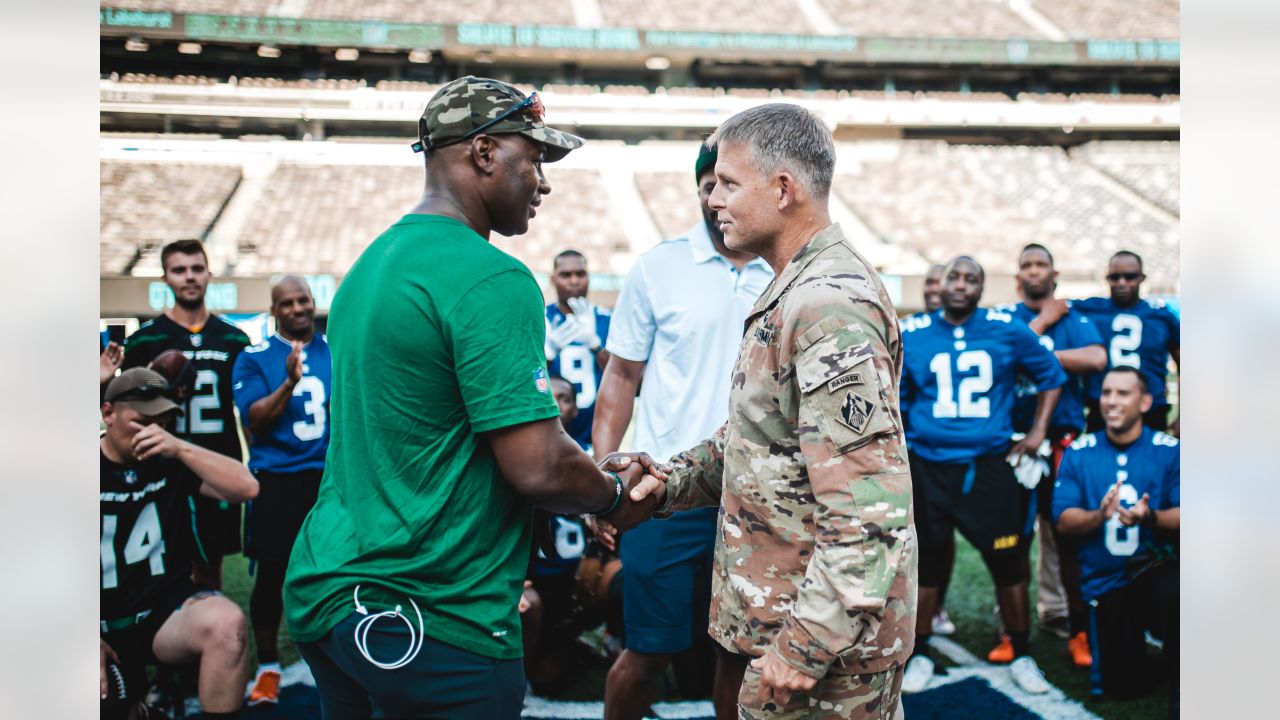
<point>540,380</point>
<point>197,340</point>
<point>130,477</point>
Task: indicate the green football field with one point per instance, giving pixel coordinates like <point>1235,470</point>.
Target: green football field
<point>970,603</point>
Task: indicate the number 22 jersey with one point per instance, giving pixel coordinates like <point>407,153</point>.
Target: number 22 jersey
<point>958,382</point>
<point>1150,466</point>
<point>208,418</point>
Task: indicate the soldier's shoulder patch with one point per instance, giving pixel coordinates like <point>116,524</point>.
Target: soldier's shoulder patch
<point>855,413</point>
<point>853,378</point>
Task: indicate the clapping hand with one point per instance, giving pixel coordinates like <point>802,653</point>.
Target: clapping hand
<point>583,318</point>
<point>1111,501</point>
<point>1137,513</point>
<point>293,363</point>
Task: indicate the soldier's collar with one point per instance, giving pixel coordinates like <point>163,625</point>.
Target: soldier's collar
<point>828,236</point>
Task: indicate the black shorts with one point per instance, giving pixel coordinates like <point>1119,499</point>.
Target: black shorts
<point>217,528</point>
<point>1122,668</point>
<point>990,510</point>
<point>133,644</point>
<point>273,519</point>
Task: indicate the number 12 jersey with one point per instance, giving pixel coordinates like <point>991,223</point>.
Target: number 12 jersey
<point>958,382</point>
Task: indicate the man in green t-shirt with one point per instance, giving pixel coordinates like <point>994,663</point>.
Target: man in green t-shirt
<point>403,584</point>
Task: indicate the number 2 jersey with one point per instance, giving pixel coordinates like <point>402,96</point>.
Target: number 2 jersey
<point>301,436</point>
<point>958,382</point>
<point>147,539</point>
<point>1139,336</point>
<point>1089,469</point>
<point>208,418</point>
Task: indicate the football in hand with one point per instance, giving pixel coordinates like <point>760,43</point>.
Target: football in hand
<point>175,368</point>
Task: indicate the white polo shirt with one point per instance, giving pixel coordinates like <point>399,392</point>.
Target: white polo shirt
<point>681,313</point>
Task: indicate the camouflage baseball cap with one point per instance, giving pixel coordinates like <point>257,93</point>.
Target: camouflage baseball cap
<point>470,105</point>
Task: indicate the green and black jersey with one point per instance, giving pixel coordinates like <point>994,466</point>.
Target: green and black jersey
<point>147,531</point>
<point>208,418</point>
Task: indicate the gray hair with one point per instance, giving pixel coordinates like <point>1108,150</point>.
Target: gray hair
<point>782,136</point>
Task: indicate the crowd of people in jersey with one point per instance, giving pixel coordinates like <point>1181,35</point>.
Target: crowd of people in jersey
<point>1048,419</point>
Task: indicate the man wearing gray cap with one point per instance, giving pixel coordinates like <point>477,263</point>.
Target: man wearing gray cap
<point>403,585</point>
<point>151,610</point>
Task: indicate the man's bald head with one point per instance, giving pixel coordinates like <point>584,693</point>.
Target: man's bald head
<point>293,307</point>
<point>284,283</point>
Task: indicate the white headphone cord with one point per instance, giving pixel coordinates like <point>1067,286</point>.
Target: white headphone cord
<point>362,633</point>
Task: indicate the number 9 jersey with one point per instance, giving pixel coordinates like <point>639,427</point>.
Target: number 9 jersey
<point>1091,467</point>
<point>958,382</point>
<point>300,437</point>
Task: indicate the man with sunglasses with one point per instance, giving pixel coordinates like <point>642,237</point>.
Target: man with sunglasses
<point>1137,333</point>
<point>151,610</point>
<point>403,586</point>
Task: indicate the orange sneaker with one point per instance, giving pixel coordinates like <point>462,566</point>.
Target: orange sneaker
<point>1078,647</point>
<point>1002,653</point>
<point>266,689</point>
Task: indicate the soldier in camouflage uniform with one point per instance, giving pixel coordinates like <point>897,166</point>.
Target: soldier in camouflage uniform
<point>815,563</point>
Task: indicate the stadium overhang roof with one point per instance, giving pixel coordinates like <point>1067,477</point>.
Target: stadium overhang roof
<point>508,41</point>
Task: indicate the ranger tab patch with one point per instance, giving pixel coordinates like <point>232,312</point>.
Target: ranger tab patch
<point>856,412</point>
<point>844,381</point>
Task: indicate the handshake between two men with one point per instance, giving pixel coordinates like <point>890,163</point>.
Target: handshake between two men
<point>643,487</point>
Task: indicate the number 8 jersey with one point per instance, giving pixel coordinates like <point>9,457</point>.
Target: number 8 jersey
<point>958,382</point>
<point>1150,466</point>
<point>300,437</point>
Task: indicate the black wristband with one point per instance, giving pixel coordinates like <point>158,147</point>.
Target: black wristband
<point>617,497</point>
<point>1150,519</point>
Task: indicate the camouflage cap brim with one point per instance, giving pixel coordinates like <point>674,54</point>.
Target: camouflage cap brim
<point>557,142</point>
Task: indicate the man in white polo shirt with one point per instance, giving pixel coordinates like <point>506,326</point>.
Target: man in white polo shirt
<point>677,326</point>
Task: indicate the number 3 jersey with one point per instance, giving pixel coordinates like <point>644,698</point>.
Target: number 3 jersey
<point>147,541</point>
<point>300,437</point>
<point>1089,469</point>
<point>958,382</point>
<point>208,418</point>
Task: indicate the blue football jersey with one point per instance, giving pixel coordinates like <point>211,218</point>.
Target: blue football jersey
<point>300,438</point>
<point>1073,331</point>
<point>577,364</point>
<point>1089,469</point>
<point>1139,336</point>
<point>958,382</point>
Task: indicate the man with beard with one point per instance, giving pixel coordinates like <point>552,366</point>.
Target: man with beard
<point>211,346</point>
<point>282,389</point>
<point>676,326</point>
<point>576,333</point>
<point>403,587</point>
<point>1119,494</point>
<point>1138,333</point>
<point>1075,341</point>
<point>960,368</point>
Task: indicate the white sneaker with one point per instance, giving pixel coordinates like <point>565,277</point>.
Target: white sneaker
<point>942,624</point>
<point>1028,676</point>
<point>917,675</point>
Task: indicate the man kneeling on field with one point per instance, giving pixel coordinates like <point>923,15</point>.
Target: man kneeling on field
<point>1119,492</point>
<point>151,610</point>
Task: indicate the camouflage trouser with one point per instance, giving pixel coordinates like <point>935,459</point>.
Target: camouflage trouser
<point>846,697</point>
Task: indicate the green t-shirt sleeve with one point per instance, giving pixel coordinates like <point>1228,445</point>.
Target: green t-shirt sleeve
<point>497,332</point>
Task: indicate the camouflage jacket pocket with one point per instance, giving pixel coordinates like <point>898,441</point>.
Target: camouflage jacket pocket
<point>840,390</point>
